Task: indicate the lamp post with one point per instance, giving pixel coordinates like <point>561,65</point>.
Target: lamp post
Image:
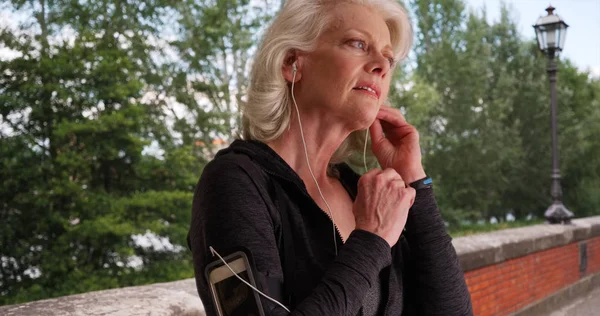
<point>551,31</point>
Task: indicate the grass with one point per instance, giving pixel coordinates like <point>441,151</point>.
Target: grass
<point>471,229</point>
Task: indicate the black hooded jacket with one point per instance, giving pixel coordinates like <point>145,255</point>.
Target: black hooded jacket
<point>239,201</point>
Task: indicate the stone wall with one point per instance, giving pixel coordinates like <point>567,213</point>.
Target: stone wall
<point>531,270</point>
<point>162,299</point>
<point>526,271</point>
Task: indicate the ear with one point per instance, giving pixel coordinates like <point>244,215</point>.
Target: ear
<point>287,69</point>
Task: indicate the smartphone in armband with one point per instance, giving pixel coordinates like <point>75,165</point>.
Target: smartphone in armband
<point>231,296</point>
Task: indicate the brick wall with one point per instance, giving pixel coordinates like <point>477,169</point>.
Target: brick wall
<point>506,287</point>
<point>594,256</point>
<point>525,270</point>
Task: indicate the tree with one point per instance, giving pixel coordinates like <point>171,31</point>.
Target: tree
<point>479,97</point>
<point>78,183</point>
<point>473,147</point>
<point>215,42</point>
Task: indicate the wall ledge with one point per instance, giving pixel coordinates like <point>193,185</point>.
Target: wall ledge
<point>181,299</point>
<point>486,249</point>
<point>161,299</point>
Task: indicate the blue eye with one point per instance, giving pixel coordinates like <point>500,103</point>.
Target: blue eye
<point>359,44</point>
<point>392,61</point>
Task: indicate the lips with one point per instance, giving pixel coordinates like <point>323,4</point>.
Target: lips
<point>369,88</point>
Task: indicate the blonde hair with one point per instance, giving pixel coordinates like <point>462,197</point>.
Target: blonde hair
<point>299,24</point>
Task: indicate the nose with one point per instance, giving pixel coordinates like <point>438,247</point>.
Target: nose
<point>379,65</point>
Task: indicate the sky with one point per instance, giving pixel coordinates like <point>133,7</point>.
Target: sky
<point>582,44</point>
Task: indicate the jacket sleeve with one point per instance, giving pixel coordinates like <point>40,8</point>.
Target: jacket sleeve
<point>229,211</point>
<point>435,270</point>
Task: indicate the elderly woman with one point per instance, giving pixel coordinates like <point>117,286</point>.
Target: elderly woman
<point>325,240</point>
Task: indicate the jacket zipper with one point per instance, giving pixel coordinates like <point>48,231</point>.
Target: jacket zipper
<point>337,230</point>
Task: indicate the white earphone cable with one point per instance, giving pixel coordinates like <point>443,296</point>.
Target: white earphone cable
<point>308,162</point>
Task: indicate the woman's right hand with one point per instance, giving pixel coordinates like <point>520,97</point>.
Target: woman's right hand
<point>382,203</point>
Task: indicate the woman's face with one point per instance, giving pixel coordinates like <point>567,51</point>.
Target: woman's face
<point>348,75</point>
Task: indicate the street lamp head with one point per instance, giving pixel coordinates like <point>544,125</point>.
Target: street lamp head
<point>551,32</point>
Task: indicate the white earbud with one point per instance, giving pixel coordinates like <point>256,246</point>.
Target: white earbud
<point>294,69</point>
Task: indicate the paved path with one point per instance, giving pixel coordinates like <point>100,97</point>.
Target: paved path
<point>588,305</point>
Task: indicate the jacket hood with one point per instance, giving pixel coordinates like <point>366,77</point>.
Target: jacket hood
<point>265,157</point>
<point>274,165</point>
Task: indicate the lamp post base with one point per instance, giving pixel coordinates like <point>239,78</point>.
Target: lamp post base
<point>558,213</point>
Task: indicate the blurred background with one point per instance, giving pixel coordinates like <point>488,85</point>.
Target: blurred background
<point>110,109</point>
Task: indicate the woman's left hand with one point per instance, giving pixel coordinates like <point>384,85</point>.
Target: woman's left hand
<point>399,148</point>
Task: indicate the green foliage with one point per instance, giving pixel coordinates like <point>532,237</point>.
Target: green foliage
<point>214,45</point>
<point>479,97</point>
<point>108,112</point>
<point>77,183</point>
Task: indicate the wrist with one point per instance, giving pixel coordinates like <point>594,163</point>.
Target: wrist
<point>412,175</point>
<point>377,232</point>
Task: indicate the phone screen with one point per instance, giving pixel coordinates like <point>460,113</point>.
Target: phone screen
<point>235,297</point>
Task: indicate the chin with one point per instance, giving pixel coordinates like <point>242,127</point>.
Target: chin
<point>363,118</point>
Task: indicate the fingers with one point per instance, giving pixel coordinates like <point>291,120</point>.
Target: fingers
<point>392,123</point>
<point>382,177</point>
<point>376,132</point>
<point>407,193</point>
<point>382,204</point>
<point>400,183</point>
<point>389,178</point>
<point>392,116</point>
<point>379,143</point>
<point>409,196</point>
<point>371,173</point>
<point>394,127</point>
<point>390,174</point>
<point>365,179</point>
